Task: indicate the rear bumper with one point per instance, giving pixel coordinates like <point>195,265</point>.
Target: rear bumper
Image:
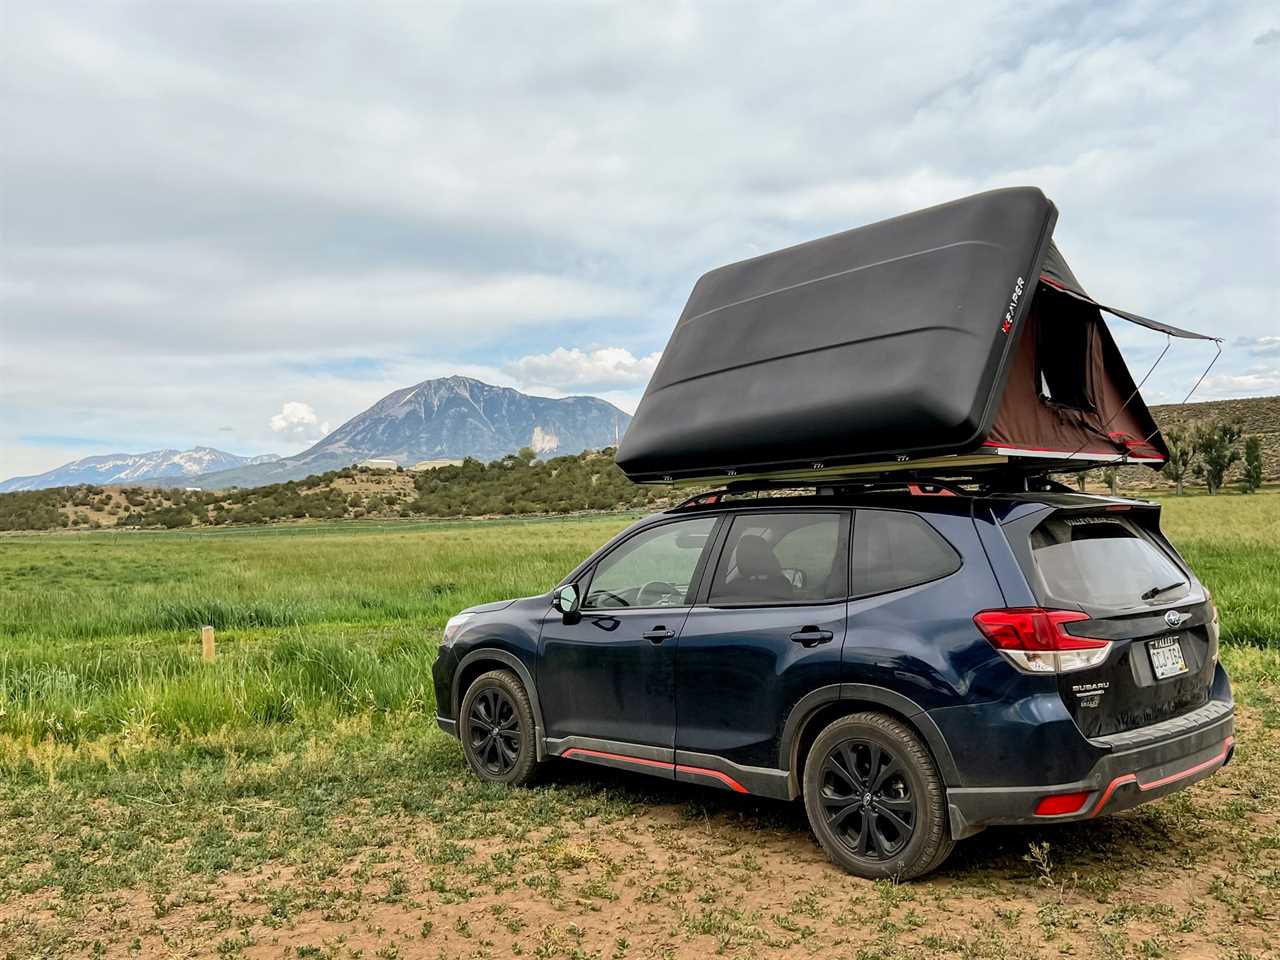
<point>1142,765</point>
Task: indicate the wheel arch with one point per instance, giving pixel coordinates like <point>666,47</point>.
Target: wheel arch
<point>821,706</point>
<point>481,661</point>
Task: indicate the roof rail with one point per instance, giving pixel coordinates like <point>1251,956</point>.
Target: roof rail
<point>909,485</point>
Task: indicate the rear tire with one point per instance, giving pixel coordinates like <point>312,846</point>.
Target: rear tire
<point>495,724</point>
<point>875,800</point>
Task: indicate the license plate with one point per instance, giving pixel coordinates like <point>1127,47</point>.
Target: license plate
<point>1166,657</point>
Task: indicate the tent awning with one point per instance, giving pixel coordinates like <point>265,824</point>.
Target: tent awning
<point>1055,272</point>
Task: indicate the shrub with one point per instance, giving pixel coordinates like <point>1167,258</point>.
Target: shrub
<point>1217,444</point>
<point>1252,478</point>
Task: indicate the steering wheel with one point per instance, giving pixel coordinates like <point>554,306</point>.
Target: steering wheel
<point>595,595</point>
<point>661,591</point>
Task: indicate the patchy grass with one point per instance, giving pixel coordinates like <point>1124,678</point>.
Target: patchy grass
<point>295,800</point>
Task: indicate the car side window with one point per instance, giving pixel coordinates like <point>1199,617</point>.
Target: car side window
<point>654,568</point>
<point>792,557</point>
<point>894,550</point>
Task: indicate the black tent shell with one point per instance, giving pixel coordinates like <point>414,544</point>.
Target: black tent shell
<point>887,345</point>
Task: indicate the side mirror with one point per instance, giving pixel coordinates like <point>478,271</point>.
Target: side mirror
<point>566,600</point>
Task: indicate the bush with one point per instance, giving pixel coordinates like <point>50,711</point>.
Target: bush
<point>1252,478</point>
<point>1216,443</point>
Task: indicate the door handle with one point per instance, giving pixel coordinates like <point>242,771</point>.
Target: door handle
<point>658,634</point>
<point>811,636</point>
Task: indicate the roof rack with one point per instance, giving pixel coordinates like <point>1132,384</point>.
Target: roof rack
<point>1010,482</point>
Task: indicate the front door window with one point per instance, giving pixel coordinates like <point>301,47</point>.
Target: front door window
<point>652,569</point>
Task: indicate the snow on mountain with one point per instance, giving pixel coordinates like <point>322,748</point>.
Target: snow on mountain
<point>124,468</point>
<point>444,419</point>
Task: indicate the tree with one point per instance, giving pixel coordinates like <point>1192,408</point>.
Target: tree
<point>1109,477</point>
<point>1252,478</point>
<point>1217,444</point>
<point>1182,454</point>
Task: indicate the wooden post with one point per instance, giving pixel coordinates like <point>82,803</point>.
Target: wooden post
<point>206,644</point>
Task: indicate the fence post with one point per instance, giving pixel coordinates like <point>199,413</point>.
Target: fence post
<point>206,644</point>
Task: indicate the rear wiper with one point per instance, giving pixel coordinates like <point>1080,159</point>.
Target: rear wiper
<point>1156,591</point>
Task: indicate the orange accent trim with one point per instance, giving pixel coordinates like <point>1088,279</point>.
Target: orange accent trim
<point>724,778</point>
<point>1127,778</point>
<point>569,754</point>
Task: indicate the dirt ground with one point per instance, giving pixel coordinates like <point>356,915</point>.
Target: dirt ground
<point>700,873</point>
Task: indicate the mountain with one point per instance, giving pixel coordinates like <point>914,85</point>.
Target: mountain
<point>445,419</point>
<point>134,468</point>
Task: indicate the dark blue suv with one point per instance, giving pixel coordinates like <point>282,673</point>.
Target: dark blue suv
<point>916,664</point>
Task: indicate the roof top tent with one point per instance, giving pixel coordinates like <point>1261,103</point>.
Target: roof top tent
<point>953,340</point>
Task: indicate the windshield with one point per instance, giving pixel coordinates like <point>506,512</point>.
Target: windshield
<point>1104,562</point>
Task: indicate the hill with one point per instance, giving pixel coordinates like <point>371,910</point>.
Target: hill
<point>451,418</point>
<point>511,486</point>
<point>172,465</point>
<point>1257,416</point>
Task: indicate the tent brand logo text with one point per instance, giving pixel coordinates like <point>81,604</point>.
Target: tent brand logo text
<point>1013,305</point>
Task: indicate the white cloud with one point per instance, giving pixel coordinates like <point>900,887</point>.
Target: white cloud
<point>568,369</point>
<point>1260,346</point>
<point>298,420</point>
<point>1255,383</point>
<point>300,186</point>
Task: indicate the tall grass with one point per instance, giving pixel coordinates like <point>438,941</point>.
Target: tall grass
<point>98,631</point>
<point>97,586</point>
<point>1233,544</point>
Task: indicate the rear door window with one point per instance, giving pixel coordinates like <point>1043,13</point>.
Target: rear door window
<point>894,550</point>
<point>1104,562</point>
<point>777,558</point>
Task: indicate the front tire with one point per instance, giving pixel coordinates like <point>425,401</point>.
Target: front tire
<point>495,724</point>
<point>875,800</point>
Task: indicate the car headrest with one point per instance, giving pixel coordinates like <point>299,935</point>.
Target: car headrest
<point>756,559</point>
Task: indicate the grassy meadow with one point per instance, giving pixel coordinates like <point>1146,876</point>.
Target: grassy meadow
<point>294,799</point>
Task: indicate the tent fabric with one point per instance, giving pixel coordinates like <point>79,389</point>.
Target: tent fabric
<point>1098,416</point>
<point>902,341</point>
<point>1055,272</point>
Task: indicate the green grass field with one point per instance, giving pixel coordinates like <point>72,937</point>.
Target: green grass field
<point>294,799</point>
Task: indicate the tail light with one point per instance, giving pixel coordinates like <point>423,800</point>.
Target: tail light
<point>1035,641</point>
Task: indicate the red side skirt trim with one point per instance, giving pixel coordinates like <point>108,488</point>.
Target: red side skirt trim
<point>724,778</point>
<point>640,761</point>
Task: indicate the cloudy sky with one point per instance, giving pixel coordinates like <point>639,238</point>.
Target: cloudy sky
<point>240,224</point>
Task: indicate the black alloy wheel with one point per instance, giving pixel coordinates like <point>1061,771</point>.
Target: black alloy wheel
<point>867,800</point>
<point>497,729</point>
<point>875,800</point>
<point>494,731</point>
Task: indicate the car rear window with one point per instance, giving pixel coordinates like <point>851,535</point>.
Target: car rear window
<point>1104,562</point>
<point>893,551</point>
